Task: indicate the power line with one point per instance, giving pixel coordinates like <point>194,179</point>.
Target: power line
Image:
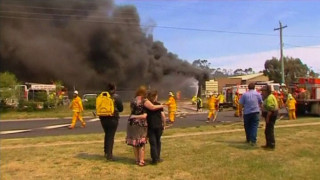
<point>135,24</point>
<point>292,45</point>
<point>64,15</point>
<point>122,18</point>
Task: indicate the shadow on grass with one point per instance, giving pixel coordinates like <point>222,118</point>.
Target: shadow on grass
<point>99,157</point>
<point>239,145</point>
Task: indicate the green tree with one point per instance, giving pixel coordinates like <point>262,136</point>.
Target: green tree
<point>202,63</point>
<point>7,85</point>
<point>293,69</point>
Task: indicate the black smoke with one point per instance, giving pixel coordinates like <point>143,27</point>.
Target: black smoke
<point>84,43</point>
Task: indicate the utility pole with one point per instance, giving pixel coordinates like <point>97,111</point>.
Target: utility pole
<point>281,51</point>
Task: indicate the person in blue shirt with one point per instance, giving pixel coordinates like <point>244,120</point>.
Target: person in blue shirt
<point>251,102</point>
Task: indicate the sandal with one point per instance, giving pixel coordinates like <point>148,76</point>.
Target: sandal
<point>137,162</point>
<point>142,164</point>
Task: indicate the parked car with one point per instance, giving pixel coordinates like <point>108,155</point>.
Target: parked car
<point>89,101</point>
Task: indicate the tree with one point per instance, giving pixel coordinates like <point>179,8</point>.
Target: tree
<point>293,69</point>
<point>7,85</point>
<point>202,63</point>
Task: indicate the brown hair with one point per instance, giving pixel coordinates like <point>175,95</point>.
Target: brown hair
<point>152,95</point>
<point>141,91</point>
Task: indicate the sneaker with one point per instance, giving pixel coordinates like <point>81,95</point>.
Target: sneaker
<point>160,160</point>
<point>83,125</point>
<point>253,144</point>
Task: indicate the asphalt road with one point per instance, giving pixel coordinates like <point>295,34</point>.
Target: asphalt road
<point>56,127</point>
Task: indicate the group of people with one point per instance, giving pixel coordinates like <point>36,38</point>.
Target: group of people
<point>147,119</point>
<point>146,122</point>
<point>252,101</point>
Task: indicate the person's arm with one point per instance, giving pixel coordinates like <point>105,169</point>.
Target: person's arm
<point>141,116</point>
<point>151,106</point>
<point>80,105</point>
<point>163,118</point>
<point>118,103</point>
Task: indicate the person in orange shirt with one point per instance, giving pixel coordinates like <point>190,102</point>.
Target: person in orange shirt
<point>212,105</point>
<point>291,105</point>
<point>77,108</point>
<point>172,107</point>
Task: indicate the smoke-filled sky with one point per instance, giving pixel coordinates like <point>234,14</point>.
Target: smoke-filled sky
<point>85,44</point>
<point>235,34</point>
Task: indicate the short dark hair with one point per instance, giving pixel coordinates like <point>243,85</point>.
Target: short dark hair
<point>266,88</point>
<point>111,87</point>
<point>251,86</point>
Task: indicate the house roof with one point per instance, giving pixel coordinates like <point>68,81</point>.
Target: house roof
<point>249,76</point>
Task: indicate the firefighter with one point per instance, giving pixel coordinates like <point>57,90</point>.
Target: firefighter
<point>199,104</point>
<point>291,105</point>
<point>51,100</point>
<point>236,99</point>
<point>211,107</point>
<point>172,107</point>
<point>281,99</point>
<point>77,108</point>
<point>220,99</point>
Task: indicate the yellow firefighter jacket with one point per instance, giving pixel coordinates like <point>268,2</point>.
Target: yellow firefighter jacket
<point>171,103</point>
<point>212,103</point>
<point>291,103</point>
<point>76,105</point>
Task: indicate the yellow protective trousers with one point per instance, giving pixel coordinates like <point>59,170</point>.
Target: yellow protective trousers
<point>238,112</point>
<point>172,116</point>
<point>211,113</point>
<point>292,114</point>
<point>75,117</point>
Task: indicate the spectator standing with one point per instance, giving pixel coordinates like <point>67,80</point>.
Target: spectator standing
<point>137,124</point>
<point>251,101</point>
<point>156,124</point>
<point>270,112</point>
<point>110,123</point>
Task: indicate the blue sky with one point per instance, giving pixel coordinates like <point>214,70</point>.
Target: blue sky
<point>235,50</point>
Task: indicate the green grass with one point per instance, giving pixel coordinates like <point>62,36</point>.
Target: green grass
<point>59,112</point>
<point>192,156</point>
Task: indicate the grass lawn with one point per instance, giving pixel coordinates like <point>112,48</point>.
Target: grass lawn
<point>203,152</point>
<point>59,112</point>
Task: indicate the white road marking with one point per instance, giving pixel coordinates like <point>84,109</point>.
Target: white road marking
<point>55,126</point>
<point>15,131</point>
<point>92,120</point>
<point>46,127</point>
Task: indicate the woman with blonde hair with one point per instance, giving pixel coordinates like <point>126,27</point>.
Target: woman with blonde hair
<point>137,124</point>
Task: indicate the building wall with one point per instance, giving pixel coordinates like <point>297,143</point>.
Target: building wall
<point>259,78</point>
<point>224,81</point>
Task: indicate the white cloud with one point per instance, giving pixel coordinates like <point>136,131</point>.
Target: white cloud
<point>309,55</point>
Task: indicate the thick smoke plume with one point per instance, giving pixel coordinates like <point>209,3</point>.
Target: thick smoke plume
<point>84,44</point>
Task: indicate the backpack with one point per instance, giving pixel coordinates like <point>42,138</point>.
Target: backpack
<point>104,105</point>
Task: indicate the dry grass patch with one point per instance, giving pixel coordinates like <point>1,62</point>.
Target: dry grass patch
<point>208,156</point>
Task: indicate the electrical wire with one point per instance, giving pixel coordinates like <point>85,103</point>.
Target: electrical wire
<point>292,45</point>
<point>134,24</point>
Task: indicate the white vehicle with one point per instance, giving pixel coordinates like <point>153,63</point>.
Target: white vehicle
<point>87,97</point>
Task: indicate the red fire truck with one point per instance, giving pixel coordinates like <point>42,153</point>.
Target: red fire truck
<point>307,94</point>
